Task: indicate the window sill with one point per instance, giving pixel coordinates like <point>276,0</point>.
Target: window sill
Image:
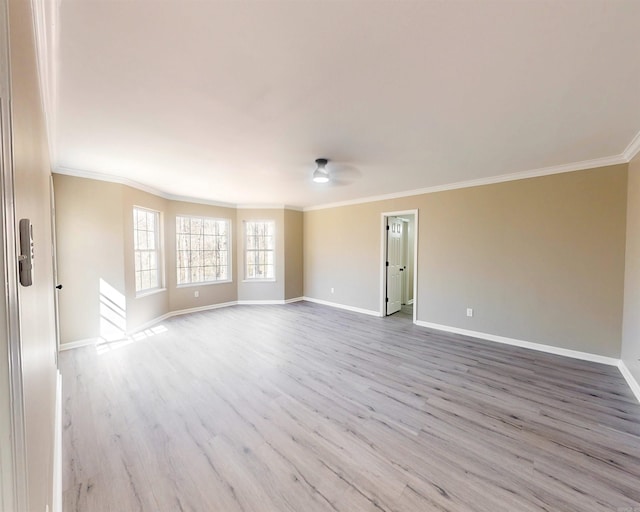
<point>146,293</point>
<point>203,283</point>
<point>259,280</point>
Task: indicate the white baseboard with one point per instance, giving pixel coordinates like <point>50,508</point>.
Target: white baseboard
<point>343,306</point>
<point>409,302</point>
<point>550,349</point>
<point>266,302</point>
<point>151,323</point>
<point>585,356</point>
<point>79,343</point>
<point>56,505</point>
<point>179,312</point>
<point>633,383</point>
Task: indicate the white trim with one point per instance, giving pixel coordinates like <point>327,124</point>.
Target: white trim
<point>79,343</point>
<point>268,207</point>
<point>150,323</point>
<point>409,302</point>
<point>268,302</point>
<point>586,356</point>
<point>56,505</point>
<point>45,28</point>
<point>111,178</point>
<point>179,312</point>
<point>546,171</point>
<point>264,302</point>
<point>244,249</point>
<point>13,459</point>
<point>633,148</point>
<point>343,306</point>
<point>149,291</point>
<point>202,283</point>
<point>383,266</point>
<point>631,381</point>
<point>230,254</point>
<point>575,354</point>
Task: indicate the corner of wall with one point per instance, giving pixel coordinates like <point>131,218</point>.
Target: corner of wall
<point>630,356</point>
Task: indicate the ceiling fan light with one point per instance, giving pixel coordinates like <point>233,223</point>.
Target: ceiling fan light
<point>320,175</point>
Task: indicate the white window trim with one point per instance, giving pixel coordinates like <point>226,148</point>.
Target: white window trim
<point>230,251</point>
<point>204,283</point>
<point>149,291</point>
<point>244,253</point>
<point>159,250</point>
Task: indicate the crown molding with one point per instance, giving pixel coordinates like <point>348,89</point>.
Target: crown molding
<point>625,157</point>
<point>633,148</point>
<point>535,173</point>
<point>99,176</point>
<point>261,206</point>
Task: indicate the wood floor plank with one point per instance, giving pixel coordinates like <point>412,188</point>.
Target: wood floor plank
<point>308,408</point>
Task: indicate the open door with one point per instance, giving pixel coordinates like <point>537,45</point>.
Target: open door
<point>54,262</point>
<point>395,264</point>
<point>399,256</point>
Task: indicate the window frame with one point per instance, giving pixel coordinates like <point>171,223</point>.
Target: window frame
<point>158,250</point>
<point>229,278</point>
<point>248,279</point>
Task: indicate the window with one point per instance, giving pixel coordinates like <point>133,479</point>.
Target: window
<point>259,249</point>
<point>202,246</point>
<point>146,248</point>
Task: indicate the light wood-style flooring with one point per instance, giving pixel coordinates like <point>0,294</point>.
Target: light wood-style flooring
<point>305,408</point>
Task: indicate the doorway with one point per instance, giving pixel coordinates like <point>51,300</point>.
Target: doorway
<point>399,269</point>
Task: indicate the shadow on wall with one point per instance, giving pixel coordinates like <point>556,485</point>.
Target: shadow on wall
<point>113,321</point>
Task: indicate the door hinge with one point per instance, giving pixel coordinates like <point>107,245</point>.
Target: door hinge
<point>387,299</point>
<point>387,227</point>
<point>387,263</point>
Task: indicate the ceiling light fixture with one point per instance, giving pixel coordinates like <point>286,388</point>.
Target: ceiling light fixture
<point>321,175</point>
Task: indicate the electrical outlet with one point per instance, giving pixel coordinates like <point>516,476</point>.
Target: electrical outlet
<point>469,311</point>
<point>331,290</point>
<point>196,294</point>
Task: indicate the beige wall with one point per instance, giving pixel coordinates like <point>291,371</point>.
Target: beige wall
<point>342,251</point>
<point>261,290</point>
<point>145,307</point>
<point>293,259</point>
<point>94,214</point>
<point>631,324</point>
<point>540,260</point>
<point>89,230</point>
<point>36,303</point>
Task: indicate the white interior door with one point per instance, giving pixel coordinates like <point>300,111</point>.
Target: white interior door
<point>55,266</point>
<point>394,264</point>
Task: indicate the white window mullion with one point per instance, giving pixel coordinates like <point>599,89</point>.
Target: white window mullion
<point>146,248</point>
<point>203,250</point>
<point>260,250</point>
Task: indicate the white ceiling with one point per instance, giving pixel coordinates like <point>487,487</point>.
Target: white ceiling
<point>232,101</point>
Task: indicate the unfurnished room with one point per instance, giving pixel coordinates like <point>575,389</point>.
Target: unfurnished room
<point>320,255</point>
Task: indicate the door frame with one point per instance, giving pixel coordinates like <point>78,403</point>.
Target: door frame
<point>13,459</point>
<point>383,260</point>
